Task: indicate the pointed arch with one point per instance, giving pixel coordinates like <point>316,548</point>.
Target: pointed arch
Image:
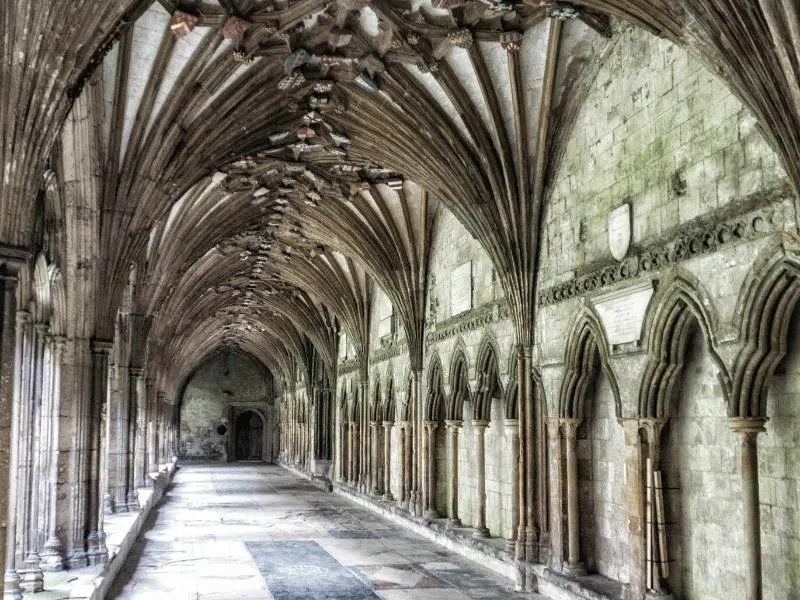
<point>680,305</point>
<point>489,385</point>
<point>770,295</point>
<point>459,385</point>
<point>587,351</point>
<point>434,401</point>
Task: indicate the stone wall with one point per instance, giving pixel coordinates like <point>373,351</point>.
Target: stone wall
<point>779,476</point>
<point>226,380</point>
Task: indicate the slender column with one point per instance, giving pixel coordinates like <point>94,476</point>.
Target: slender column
<point>149,433</point>
<point>408,472</point>
<point>80,374</point>
<point>529,432</point>
<point>401,462</point>
<point>642,521</point>
<point>52,559</point>
<point>377,482</point>
<point>10,367</point>
<point>452,428</point>
<point>479,426</point>
<point>31,576</point>
<point>521,487</point>
<point>96,540</point>
<point>430,470</point>
<point>351,454</point>
<point>387,461</point>
<point>513,430</point>
<point>134,442</point>
<point>415,455</point>
<point>748,429</point>
<point>569,428</point>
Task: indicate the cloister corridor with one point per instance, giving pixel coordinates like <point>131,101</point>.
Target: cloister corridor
<point>247,531</point>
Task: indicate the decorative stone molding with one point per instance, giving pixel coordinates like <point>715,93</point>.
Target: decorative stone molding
<point>704,235</point>
<point>347,366</point>
<point>477,318</point>
<point>388,352</point>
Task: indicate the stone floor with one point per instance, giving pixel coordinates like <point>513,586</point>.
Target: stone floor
<point>252,531</point>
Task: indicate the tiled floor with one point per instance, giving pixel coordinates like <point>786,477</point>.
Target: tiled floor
<point>252,531</point>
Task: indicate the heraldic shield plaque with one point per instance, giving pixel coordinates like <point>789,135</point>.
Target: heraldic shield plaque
<point>619,231</point>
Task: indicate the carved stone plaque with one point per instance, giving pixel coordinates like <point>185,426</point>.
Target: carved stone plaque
<point>461,289</point>
<point>619,231</point>
<point>622,312</point>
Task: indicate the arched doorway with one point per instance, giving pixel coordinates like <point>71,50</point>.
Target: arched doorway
<point>249,436</point>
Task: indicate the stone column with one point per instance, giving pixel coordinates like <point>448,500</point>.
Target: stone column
<point>96,540</point>
<point>452,428</point>
<point>377,482</point>
<point>429,451</point>
<point>149,456</point>
<point>401,463</point>
<point>641,525</point>
<point>31,576</point>
<point>387,461</point>
<point>479,426</point>
<point>351,453</point>
<point>408,473</point>
<point>10,364</point>
<point>748,429</point>
<point>134,441</point>
<point>52,553</point>
<point>512,429</point>
<point>569,428</point>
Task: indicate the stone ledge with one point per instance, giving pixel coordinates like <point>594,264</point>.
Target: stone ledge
<point>122,530</point>
<point>458,540</point>
<point>560,586</point>
<point>318,481</point>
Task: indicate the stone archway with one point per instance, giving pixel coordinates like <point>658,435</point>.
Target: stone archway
<point>249,438</point>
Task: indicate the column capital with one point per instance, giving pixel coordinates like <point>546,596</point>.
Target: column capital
<point>652,427</point>
<point>388,424</point>
<point>480,424</point>
<point>101,346</point>
<point>23,317</point>
<point>748,427</point>
<point>430,425</point>
<point>374,424</point>
<point>453,424</point>
<point>569,426</point>
<point>135,371</point>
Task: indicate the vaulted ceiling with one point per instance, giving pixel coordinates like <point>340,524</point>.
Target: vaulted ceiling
<point>263,162</point>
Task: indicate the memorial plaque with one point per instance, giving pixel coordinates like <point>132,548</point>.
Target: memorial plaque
<point>619,231</point>
<point>461,289</point>
<point>622,312</point>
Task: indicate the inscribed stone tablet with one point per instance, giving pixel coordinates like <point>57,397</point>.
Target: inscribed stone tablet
<point>461,289</point>
<point>622,312</point>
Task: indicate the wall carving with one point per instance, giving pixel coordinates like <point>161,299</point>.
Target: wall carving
<point>469,321</point>
<point>703,235</point>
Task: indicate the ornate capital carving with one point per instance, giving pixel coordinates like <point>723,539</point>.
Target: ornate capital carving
<point>569,427</point>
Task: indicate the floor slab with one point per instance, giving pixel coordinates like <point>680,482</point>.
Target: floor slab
<point>253,531</point>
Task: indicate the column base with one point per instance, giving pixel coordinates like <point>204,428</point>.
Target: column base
<point>133,502</point>
<point>97,552</point>
<point>388,497</point>
<point>376,492</point>
<point>31,576</point>
<point>11,586</point>
<point>77,559</point>
<point>511,546</point>
<point>577,568</point>
<point>51,556</point>
<point>452,523</point>
<point>431,515</point>
<point>108,505</point>
<point>480,533</point>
